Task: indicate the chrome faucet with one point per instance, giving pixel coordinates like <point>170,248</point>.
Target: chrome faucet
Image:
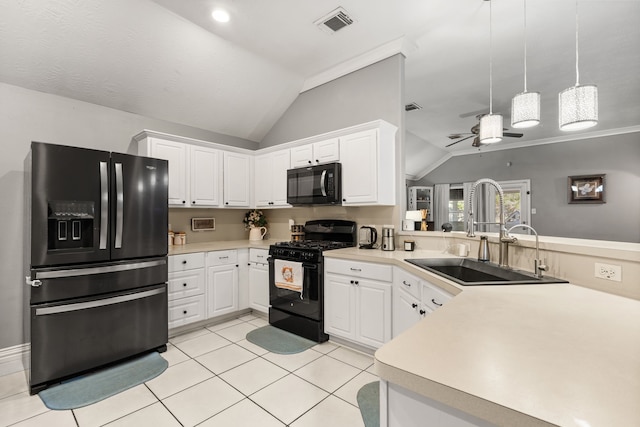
<point>538,266</point>
<point>505,239</point>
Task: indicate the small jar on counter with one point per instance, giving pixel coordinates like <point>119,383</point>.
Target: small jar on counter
<point>180,238</point>
<point>171,237</point>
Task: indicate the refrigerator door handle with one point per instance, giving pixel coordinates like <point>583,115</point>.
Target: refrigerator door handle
<point>88,271</point>
<point>99,303</point>
<point>119,205</point>
<point>104,205</point>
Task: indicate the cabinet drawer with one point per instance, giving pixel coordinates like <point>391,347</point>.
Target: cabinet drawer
<point>186,262</point>
<point>367,270</point>
<point>408,282</point>
<point>186,284</point>
<point>258,255</point>
<point>222,257</point>
<point>186,310</point>
<point>433,297</point>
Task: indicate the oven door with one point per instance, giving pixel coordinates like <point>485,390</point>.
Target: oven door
<point>309,302</point>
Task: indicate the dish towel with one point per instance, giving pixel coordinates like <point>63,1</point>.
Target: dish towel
<point>289,275</point>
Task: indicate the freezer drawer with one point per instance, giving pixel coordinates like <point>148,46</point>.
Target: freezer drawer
<point>74,336</point>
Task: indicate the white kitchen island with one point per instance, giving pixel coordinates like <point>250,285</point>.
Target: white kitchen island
<point>528,355</point>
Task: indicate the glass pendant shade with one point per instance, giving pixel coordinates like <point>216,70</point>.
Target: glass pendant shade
<point>578,107</point>
<point>525,110</point>
<point>490,128</point>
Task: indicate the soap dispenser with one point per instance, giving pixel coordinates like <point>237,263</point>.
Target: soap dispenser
<point>483,249</point>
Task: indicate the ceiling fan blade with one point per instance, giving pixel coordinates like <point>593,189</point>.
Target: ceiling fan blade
<point>512,135</point>
<point>457,135</point>
<point>460,140</point>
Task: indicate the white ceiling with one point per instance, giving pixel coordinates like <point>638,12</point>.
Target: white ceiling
<point>168,60</point>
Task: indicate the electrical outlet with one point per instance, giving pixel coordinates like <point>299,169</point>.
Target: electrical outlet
<point>609,272</point>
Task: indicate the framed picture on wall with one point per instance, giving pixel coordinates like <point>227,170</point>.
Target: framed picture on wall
<point>587,189</point>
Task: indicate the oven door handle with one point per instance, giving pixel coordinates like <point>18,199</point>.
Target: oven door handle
<point>310,266</point>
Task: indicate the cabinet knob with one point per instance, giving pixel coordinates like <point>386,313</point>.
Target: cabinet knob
<point>414,305</point>
<point>356,282</point>
<point>184,284</point>
<point>344,200</point>
<point>184,202</point>
<point>309,161</point>
<point>317,161</point>
<point>193,202</point>
<point>237,265</point>
<point>184,312</point>
<point>226,203</point>
<point>184,262</point>
<point>351,281</point>
<point>422,312</point>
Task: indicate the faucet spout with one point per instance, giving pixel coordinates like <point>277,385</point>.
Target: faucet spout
<point>471,225</point>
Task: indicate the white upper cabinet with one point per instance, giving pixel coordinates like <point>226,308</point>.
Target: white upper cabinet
<point>206,167</point>
<point>317,153</point>
<point>237,179</point>
<point>368,167</point>
<point>176,154</point>
<point>270,172</point>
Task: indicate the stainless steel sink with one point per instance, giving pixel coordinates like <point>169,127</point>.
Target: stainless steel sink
<point>469,272</point>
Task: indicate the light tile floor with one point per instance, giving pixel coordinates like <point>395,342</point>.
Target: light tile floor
<point>217,378</point>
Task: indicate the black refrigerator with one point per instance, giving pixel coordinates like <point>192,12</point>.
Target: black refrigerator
<point>98,250</point>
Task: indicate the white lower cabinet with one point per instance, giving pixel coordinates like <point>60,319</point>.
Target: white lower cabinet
<point>259,280</point>
<point>222,282</point>
<point>357,303</point>
<point>413,298</point>
<point>186,289</point>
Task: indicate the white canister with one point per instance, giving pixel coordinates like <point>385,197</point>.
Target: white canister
<point>462,250</point>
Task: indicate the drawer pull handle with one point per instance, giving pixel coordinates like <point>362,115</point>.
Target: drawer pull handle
<point>223,257</point>
<point>355,269</point>
<point>404,282</point>
<point>434,301</point>
<point>414,305</point>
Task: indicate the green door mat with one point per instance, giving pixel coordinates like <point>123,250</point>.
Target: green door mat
<point>278,341</point>
<point>94,387</point>
<point>369,404</point>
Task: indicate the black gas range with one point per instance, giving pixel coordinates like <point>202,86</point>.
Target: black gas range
<point>296,277</point>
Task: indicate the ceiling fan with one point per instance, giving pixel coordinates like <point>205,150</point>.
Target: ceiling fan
<point>475,130</point>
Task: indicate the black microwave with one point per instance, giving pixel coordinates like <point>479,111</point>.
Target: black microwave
<point>315,185</point>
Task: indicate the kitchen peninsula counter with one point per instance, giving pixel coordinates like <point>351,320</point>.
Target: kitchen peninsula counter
<point>525,355</point>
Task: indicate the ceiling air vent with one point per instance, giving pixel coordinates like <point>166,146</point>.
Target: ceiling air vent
<point>412,106</point>
<point>334,21</point>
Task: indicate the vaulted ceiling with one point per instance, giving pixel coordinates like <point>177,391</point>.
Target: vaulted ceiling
<point>167,59</point>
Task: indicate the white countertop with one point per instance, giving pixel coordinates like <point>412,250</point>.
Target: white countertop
<point>219,246</point>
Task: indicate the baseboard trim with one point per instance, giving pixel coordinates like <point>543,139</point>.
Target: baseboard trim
<point>13,359</point>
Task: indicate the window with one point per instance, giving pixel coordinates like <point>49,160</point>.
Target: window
<point>456,207</point>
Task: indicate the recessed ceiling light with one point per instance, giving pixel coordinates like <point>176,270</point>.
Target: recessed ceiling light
<point>220,15</point>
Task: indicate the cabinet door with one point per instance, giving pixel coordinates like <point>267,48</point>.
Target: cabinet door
<point>264,170</point>
<point>237,180</point>
<point>301,156</point>
<point>259,287</point>
<point>205,176</point>
<point>176,154</point>
<point>281,162</point>
<point>359,158</point>
<point>373,312</point>
<point>339,313</point>
<point>222,290</point>
<point>406,311</point>
<point>326,151</point>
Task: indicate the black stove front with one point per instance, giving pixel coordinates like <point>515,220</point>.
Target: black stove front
<point>296,277</point>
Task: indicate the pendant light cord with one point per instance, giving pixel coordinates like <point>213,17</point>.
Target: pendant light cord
<point>525,46</point>
<point>577,57</point>
<point>491,58</point>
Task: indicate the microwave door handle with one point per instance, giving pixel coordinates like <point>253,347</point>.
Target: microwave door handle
<point>119,205</point>
<point>104,205</point>
<point>323,178</point>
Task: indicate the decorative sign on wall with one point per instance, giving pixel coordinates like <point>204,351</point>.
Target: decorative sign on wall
<point>587,189</point>
<point>203,224</point>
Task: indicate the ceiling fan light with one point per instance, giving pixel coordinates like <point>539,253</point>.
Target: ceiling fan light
<point>491,128</point>
<point>525,110</point>
<point>578,107</point>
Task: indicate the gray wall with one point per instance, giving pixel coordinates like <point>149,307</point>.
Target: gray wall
<point>27,116</point>
<point>372,93</point>
<point>548,166</point>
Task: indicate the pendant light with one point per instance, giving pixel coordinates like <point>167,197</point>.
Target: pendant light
<point>490,124</point>
<point>578,104</point>
<point>525,106</point>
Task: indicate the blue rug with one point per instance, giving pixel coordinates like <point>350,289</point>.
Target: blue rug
<point>369,404</point>
<point>96,386</point>
<point>278,341</point>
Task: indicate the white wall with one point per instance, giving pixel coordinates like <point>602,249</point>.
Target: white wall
<point>26,116</point>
